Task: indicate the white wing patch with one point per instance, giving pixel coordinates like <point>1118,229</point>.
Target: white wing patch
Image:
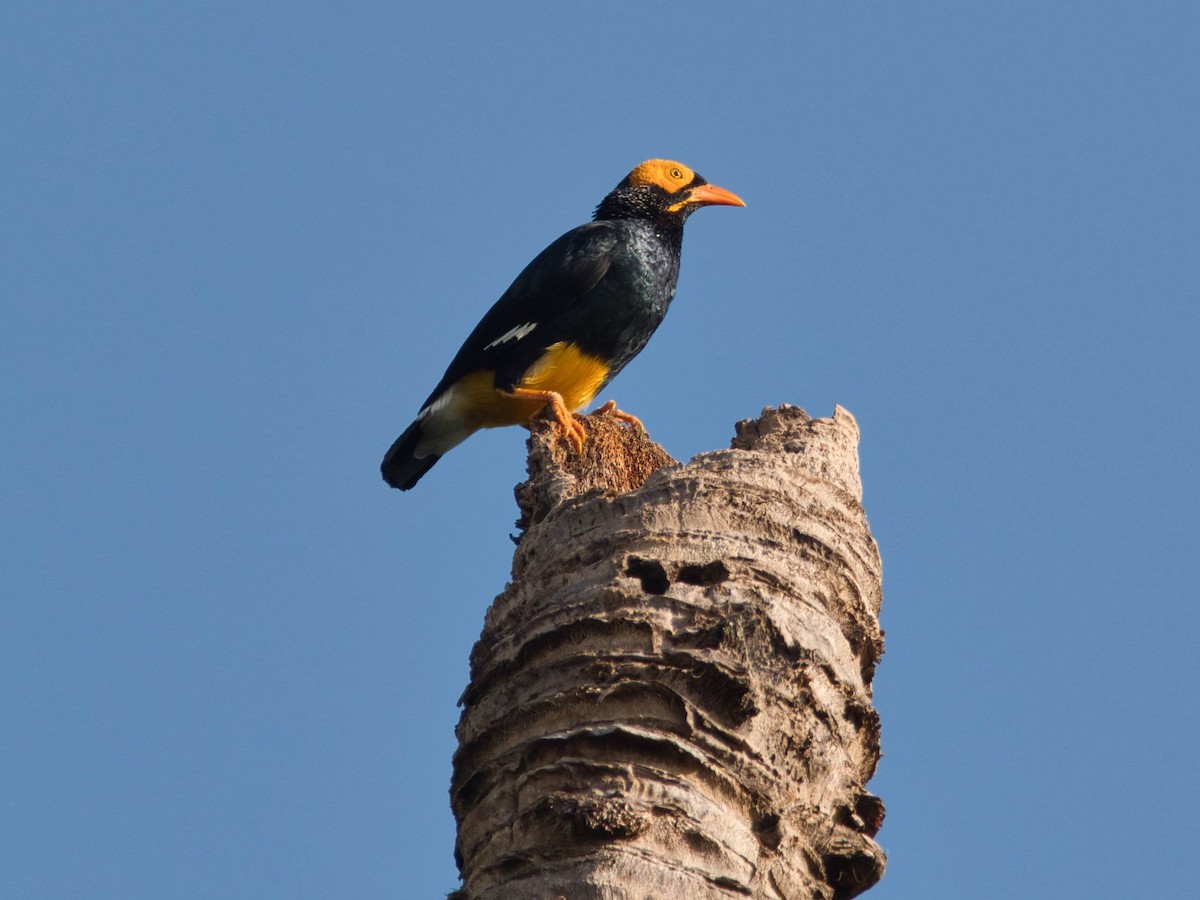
<point>513,334</point>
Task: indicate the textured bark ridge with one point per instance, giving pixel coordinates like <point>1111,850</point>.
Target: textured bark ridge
<point>672,698</point>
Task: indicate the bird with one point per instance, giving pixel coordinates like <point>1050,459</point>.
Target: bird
<point>574,317</point>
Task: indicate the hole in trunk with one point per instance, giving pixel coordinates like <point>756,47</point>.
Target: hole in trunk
<point>704,574</point>
<point>650,572</point>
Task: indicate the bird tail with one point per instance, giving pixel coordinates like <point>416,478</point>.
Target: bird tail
<point>401,467</point>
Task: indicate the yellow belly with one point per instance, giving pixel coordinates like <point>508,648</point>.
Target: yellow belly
<point>563,368</point>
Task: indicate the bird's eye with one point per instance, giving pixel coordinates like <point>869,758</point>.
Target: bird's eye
<point>676,174</point>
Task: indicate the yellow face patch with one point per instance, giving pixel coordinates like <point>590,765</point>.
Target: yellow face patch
<point>668,175</point>
<point>563,368</point>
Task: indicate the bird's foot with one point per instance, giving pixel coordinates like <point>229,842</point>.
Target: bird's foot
<point>572,428</point>
<point>610,408</point>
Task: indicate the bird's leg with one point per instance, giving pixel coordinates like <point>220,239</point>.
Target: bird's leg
<point>610,408</point>
<point>574,431</point>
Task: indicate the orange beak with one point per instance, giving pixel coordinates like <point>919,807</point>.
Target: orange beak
<point>711,195</point>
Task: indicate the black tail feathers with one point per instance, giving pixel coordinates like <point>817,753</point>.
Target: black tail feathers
<point>400,468</point>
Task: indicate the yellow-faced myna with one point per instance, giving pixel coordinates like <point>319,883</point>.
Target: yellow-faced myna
<point>579,312</point>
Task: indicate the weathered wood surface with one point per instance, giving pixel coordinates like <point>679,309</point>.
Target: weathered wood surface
<point>672,698</point>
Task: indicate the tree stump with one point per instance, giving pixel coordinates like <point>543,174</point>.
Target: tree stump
<point>672,698</point>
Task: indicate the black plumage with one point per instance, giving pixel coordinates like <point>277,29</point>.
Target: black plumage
<point>573,318</point>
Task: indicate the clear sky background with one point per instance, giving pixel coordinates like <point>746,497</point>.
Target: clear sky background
<point>240,242</point>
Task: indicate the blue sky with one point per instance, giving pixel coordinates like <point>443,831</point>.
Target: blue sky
<point>240,243</point>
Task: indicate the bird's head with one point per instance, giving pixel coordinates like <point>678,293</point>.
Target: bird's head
<point>663,190</point>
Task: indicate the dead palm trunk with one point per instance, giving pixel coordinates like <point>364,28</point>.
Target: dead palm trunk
<point>672,699</point>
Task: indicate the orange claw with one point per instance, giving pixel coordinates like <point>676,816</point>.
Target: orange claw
<point>610,408</point>
<point>572,429</point>
<point>575,432</point>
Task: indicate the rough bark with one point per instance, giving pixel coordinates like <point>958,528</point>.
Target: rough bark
<point>672,698</point>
